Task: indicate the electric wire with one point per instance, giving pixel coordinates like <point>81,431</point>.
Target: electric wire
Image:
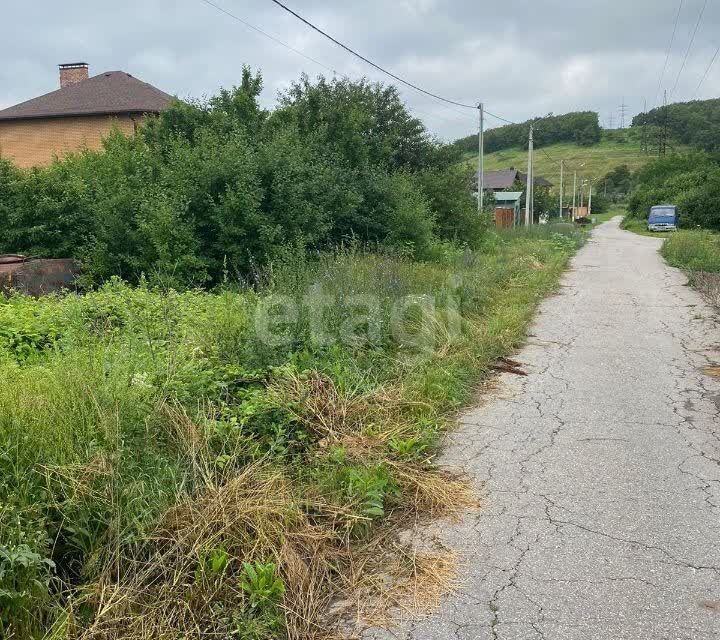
<point>690,44</point>
<point>277,40</point>
<point>669,50</point>
<point>268,35</point>
<point>707,71</point>
<point>361,57</point>
<point>370,62</point>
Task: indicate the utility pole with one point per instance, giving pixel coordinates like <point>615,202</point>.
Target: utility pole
<point>562,170</point>
<point>530,180</point>
<point>574,195</point>
<point>590,201</point>
<point>481,159</point>
<point>623,111</point>
<point>644,129</point>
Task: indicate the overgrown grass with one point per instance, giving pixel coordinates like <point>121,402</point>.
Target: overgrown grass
<point>698,253</point>
<point>693,250</point>
<point>630,223</point>
<point>187,465</point>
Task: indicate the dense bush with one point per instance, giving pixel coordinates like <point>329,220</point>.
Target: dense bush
<point>221,186</point>
<point>582,128</point>
<point>693,251</point>
<point>689,181</point>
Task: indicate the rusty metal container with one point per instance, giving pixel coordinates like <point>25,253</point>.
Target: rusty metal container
<point>37,277</point>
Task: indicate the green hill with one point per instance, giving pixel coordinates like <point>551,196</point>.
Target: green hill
<point>580,127</point>
<point>615,148</point>
<point>695,123</point>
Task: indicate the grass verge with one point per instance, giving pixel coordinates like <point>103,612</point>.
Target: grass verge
<point>612,212</point>
<point>698,253</point>
<point>638,226</point>
<point>235,464</point>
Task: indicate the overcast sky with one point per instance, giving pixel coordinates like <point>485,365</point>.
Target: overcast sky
<point>522,59</point>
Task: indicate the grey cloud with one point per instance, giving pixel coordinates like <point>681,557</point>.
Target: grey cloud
<point>521,59</point>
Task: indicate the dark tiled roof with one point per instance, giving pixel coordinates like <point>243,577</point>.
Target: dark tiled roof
<point>539,180</point>
<point>500,179</point>
<point>107,93</point>
<point>506,179</point>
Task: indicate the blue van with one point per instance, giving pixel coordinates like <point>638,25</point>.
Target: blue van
<point>663,217</point>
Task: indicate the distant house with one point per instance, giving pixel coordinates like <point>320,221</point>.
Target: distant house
<point>79,114</point>
<point>505,180</point>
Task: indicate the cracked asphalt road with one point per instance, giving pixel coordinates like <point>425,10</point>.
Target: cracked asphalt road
<point>600,471</point>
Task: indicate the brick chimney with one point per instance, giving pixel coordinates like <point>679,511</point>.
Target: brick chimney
<point>73,73</point>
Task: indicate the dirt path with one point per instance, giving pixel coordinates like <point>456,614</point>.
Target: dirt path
<point>600,470</point>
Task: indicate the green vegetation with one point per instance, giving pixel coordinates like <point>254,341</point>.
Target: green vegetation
<point>615,149</point>
<point>639,226</point>
<point>581,128</point>
<point>693,251</point>
<point>695,123</point>
<point>221,186</point>
<point>195,464</point>
<point>697,253</point>
<point>610,213</point>
<point>618,182</point>
<point>690,181</point>
<point>281,312</point>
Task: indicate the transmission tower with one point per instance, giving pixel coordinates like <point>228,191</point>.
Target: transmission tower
<point>611,121</point>
<point>623,111</point>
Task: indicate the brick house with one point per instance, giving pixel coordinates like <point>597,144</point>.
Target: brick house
<point>79,114</point>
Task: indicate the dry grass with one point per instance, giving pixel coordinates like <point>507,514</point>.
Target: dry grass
<point>389,581</point>
<point>159,593</point>
<point>361,423</point>
<point>708,284</point>
<point>261,514</point>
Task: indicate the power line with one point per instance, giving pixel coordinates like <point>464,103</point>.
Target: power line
<point>667,57</point>
<point>687,53</point>
<point>487,113</point>
<point>345,47</point>
<point>277,40</point>
<point>267,35</point>
<point>370,62</point>
<point>301,53</point>
<point>382,69</point>
<point>707,71</point>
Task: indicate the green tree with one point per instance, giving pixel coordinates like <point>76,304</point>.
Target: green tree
<point>222,184</point>
<point>582,128</point>
<point>689,181</point>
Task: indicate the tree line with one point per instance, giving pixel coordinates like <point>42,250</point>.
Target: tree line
<point>695,123</point>
<point>581,127</point>
<point>222,185</point>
